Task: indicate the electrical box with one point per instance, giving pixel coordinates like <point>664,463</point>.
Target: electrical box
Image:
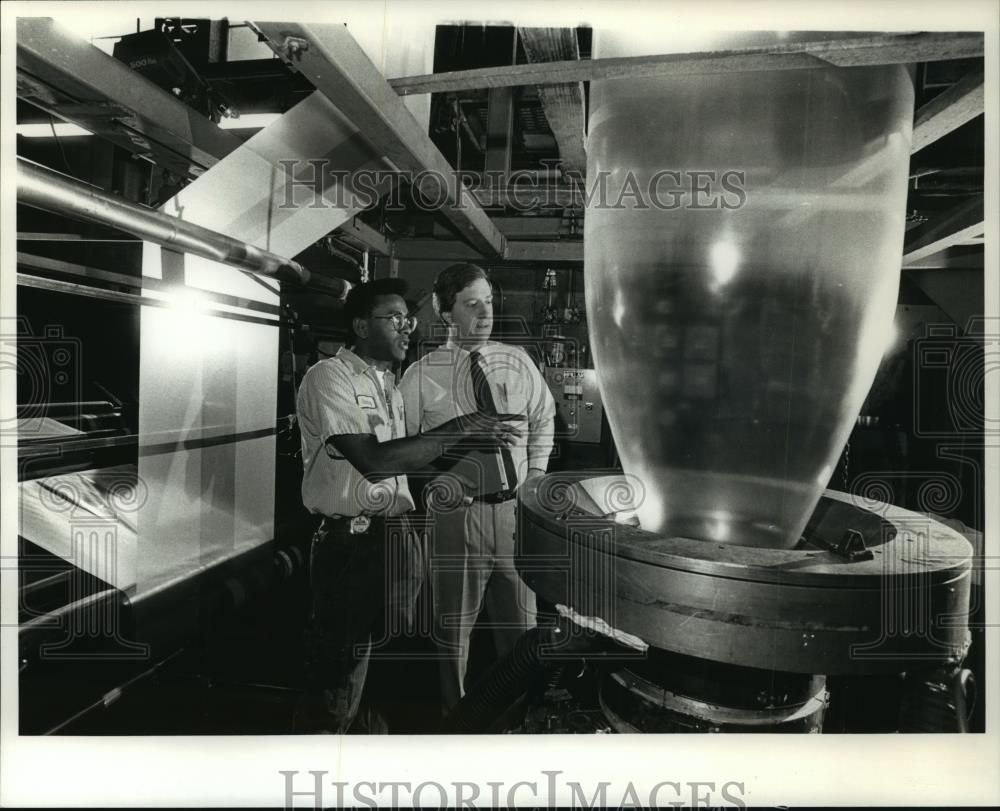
<point>579,410</point>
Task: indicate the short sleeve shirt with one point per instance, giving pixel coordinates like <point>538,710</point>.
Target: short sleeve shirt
<point>344,395</point>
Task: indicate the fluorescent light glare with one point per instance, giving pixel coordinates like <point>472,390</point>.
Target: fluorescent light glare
<point>252,121</point>
<point>62,130</point>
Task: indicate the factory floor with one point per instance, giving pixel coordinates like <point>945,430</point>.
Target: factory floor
<point>245,678</point>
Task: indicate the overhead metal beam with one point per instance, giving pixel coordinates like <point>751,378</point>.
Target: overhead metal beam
<point>50,236</point>
<point>434,249</point>
<point>530,197</point>
<point>340,70</point>
<point>948,110</point>
<point>538,227</point>
<point>45,263</point>
<point>519,251</point>
<point>367,236</point>
<point>535,228</point>
<point>525,251</point>
<point>562,103</point>
<point>76,82</point>
<point>880,49</point>
<point>959,226</point>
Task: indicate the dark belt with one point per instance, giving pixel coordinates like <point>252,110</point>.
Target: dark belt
<point>495,498</point>
<point>351,525</point>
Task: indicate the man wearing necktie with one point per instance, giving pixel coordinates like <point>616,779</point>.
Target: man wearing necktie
<point>366,559</point>
<point>473,498</point>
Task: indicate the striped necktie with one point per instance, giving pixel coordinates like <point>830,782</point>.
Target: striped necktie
<point>486,404</point>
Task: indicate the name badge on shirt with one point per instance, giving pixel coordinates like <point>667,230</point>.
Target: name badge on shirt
<point>366,401</point>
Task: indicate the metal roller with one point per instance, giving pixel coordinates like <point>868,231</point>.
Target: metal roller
<point>50,191</point>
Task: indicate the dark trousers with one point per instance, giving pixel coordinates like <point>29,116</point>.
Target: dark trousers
<point>364,587</point>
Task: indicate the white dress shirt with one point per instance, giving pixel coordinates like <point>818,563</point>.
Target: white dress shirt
<point>438,388</point>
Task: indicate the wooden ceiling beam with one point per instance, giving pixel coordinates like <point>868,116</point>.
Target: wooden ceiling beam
<point>959,226</point>
<point>562,103</point>
<point>339,69</point>
<point>878,49</point>
<point>949,110</point>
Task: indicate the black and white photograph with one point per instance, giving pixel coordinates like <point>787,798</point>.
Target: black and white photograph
<point>437,404</point>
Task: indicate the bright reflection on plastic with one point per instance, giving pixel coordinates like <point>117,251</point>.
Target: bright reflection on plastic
<point>737,332</point>
<point>876,340</point>
<point>190,325</point>
<point>892,339</point>
<point>718,527</point>
<point>724,260</point>
<point>188,300</point>
<point>619,309</point>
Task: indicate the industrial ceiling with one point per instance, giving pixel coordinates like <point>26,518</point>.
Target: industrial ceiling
<point>502,100</point>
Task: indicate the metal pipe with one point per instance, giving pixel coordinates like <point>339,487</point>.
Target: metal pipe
<point>340,254</point>
<point>466,126</point>
<point>331,285</point>
<point>470,133</point>
<point>50,191</point>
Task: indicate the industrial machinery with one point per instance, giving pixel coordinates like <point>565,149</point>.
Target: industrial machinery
<point>869,609</point>
<point>737,320</point>
<point>739,286</point>
<point>578,403</point>
<point>114,586</point>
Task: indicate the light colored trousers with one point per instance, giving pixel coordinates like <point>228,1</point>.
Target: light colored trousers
<point>472,562</point>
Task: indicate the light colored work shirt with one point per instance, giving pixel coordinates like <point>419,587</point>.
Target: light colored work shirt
<point>439,387</point>
<point>344,395</point>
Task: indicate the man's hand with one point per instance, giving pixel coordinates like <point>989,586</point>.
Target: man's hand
<point>381,460</point>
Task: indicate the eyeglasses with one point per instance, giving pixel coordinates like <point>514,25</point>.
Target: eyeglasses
<point>400,321</point>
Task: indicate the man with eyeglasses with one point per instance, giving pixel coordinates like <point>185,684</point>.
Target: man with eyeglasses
<point>472,548</point>
<point>365,560</point>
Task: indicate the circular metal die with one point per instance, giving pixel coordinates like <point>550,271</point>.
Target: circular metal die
<point>872,588</point>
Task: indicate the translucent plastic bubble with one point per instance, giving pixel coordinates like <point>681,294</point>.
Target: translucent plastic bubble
<point>742,264</point>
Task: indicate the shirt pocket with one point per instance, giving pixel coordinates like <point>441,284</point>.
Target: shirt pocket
<point>437,412</point>
<point>511,399</point>
<point>368,406</point>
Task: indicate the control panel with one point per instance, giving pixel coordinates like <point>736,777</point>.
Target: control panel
<point>578,403</point>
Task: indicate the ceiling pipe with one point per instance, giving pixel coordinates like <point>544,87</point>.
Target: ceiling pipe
<point>47,190</point>
<point>466,126</point>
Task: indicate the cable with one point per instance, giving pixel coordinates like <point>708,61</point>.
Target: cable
<point>52,124</point>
